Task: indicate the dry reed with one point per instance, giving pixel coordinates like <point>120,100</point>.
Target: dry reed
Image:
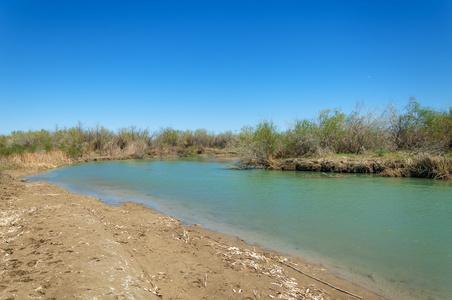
<point>422,166</point>
<point>36,160</point>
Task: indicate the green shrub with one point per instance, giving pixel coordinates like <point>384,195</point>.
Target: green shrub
<point>73,152</point>
<point>381,151</point>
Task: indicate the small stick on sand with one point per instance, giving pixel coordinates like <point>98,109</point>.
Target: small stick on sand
<point>183,236</point>
<point>319,280</point>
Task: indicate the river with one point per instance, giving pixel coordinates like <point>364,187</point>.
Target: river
<point>391,234</point>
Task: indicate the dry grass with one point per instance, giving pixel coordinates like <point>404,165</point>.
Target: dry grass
<point>422,166</point>
<point>35,160</point>
<point>397,165</point>
<point>434,167</point>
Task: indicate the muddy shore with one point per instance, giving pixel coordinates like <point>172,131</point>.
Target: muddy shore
<point>56,245</point>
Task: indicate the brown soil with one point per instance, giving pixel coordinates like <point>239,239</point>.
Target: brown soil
<point>59,245</point>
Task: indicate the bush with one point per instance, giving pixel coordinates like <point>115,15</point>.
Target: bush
<point>259,144</point>
<point>381,151</point>
<point>73,152</point>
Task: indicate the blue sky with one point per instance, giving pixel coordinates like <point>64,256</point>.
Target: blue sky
<point>216,64</point>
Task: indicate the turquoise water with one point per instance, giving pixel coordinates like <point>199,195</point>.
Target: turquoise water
<point>393,234</point>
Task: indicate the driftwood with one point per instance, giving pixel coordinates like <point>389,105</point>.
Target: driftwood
<point>328,175</point>
<point>319,280</point>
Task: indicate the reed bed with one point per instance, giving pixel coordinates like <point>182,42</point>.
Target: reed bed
<point>422,166</point>
<point>39,160</point>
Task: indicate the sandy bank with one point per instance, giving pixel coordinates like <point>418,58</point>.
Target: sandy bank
<point>55,245</point>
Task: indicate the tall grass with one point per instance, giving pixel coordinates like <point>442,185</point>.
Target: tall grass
<point>422,166</point>
<point>35,160</point>
<point>426,166</point>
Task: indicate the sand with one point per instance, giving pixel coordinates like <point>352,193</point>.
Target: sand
<point>58,245</point>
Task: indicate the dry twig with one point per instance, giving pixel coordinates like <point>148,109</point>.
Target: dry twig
<point>319,280</point>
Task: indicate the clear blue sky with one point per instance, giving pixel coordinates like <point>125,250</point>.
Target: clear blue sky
<point>216,64</point>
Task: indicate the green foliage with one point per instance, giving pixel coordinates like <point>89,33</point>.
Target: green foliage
<point>418,129</point>
<point>259,144</point>
<point>331,129</point>
<point>131,141</point>
<point>415,128</point>
<point>168,137</point>
<point>190,151</point>
<point>265,137</point>
<point>14,148</point>
<point>224,140</point>
<point>73,152</point>
<point>302,138</point>
<point>381,151</point>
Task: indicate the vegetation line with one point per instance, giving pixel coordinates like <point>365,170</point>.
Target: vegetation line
<point>413,142</point>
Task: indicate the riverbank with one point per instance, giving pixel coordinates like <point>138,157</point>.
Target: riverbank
<point>398,164</point>
<point>420,166</point>
<point>57,244</point>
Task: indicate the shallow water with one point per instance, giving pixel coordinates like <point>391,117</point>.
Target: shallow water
<point>394,234</point>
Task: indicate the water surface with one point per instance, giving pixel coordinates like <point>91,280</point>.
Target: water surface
<point>394,234</point>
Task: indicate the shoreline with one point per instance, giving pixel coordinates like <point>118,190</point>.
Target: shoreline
<point>400,164</point>
<point>422,166</point>
<point>144,253</point>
